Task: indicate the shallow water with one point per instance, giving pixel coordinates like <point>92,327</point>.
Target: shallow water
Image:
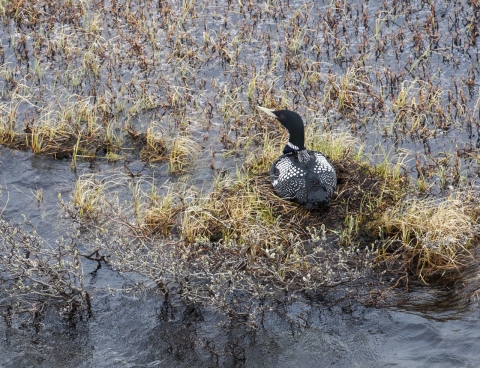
<point>425,328</point>
<point>128,332</point>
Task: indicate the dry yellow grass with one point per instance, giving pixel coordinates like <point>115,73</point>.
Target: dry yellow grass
<point>161,212</point>
<point>430,236</point>
<point>88,195</point>
<point>182,153</point>
<point>155,148</point>
<point>241,211</point>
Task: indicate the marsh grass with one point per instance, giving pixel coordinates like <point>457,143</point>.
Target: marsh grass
<point>7,124</point>
<point>336,145</point>
<point>430,238</point>
<point>182,153</point>
<point>87,197</point>
<point>259,160</point>
<point>155,147</point>
<point>370,206</point>
<point>68,90</point>
<point>240,210</point>
<point>162,211</point>
<point>238,235</point>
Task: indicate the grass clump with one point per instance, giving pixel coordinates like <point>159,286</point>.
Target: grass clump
<point>239,210</point>
<point>180,151</point>
<point>335,145</point>
<point>162,211</point>
<point>427,238</point>
<point>260,160</point>
<point>155,146</point>
<point>243,214</point>
<point>241,237</point>
<point>430,237</point>
<point>183,150</point>
<point>7,123</point>
<point>88,196</point>
<point>240,233</point>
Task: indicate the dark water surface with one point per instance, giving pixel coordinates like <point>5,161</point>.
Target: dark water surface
<point>127,332</point>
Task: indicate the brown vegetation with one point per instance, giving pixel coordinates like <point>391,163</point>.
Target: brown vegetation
<point>177,83</point>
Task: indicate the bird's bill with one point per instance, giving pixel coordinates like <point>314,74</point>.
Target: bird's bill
<point>269,112</point>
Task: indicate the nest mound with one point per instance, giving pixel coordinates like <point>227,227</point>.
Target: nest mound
<point>357,184</point>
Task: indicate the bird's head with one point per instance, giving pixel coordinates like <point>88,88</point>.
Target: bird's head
<point>293,123</point>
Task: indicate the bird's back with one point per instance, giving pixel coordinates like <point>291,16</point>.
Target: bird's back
<point>305,177</point>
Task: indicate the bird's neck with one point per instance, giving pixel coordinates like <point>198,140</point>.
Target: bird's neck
<point>292,148</point>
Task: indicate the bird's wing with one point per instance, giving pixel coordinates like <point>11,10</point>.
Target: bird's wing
<point>287,179</point>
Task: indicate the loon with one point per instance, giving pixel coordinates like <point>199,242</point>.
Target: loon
<point>300,175</point>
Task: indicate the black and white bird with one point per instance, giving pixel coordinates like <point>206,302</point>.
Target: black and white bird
<point>303,176</point>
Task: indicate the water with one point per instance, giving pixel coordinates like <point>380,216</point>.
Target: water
<point>125,331</point>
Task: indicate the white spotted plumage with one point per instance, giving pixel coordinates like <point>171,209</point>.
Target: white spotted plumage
<point>321,163</point>
<point>310,182</point>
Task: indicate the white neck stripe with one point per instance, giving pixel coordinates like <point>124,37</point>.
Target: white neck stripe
<point>291,145</point>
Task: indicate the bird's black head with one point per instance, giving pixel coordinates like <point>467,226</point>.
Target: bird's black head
<point>294,124</point>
